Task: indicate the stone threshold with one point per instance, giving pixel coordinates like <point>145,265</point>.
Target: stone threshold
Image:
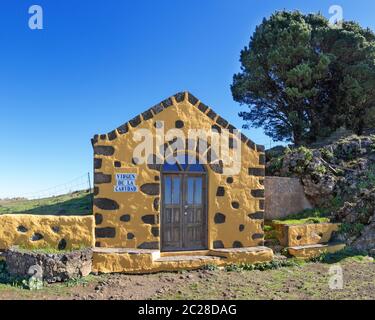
<point>126,260</point>
<point>315,250</point>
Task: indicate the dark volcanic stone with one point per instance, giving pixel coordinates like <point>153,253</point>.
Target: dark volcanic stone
<point>107,232</point>
<point>97,163</point>
<point>193,100</point>
<point>219,218</point>
<point>106,204</point>
<point>257,215</point>
<point>123,129</point>
<point>100,178</point>
<point>151,189</point>
<point>62,244</point>
<point>136,121</point>
<point>237,244</point>
<point>149,219</point>
<point>220,192</point>
<point>98,218</point>
<point>180,96</point>
<point>125,218</point>
<point>36,237</point>
<point>147,115</point>
<point>179,124</point>
<point>257,236</point>
<point>155,231</point>
<point>257,193</point>
<point>130,236</point>
<point>22,229</point>
<point>235,204</point>
<point>241,227</point>
<point>104,150</point>
<point>218,244</point>
<point>112,135</point>
<point>257,172</point>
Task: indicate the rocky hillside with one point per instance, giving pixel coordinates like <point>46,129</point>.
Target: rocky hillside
<point>338,178</point>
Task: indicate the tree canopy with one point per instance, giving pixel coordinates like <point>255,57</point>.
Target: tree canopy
<point>302,78</point>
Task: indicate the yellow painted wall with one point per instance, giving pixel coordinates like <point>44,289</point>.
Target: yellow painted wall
<point>19,230</point>
<point>112,232</point>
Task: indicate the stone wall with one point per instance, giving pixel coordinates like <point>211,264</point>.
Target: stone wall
<point>37,231</point>
<point>131,220</point>
<point>284,196</point>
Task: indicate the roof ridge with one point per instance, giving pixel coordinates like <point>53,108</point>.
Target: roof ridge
<point>168,102</point>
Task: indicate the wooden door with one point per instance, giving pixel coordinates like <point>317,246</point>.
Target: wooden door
<point>183,215</point>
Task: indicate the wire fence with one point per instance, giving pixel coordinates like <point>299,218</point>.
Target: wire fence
<point>77,184</point>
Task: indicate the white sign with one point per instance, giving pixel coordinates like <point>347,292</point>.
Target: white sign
<point>126,182</point>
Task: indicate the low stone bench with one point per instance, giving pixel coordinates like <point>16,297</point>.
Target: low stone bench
<point>50,267</point>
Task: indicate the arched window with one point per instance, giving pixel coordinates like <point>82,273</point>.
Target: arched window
<point>183,163</point>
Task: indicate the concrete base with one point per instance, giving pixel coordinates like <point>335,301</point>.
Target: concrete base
<point>313,251</point>
<point>111,260</point>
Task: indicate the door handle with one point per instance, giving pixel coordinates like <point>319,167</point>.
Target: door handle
<point>185,213</point>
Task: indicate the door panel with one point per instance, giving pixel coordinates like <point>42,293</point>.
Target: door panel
<point>184,225</point>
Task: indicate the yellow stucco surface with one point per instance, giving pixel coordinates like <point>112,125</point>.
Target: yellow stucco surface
<point>312,251</point>
<point>19,230</point>
<point>304,234</point>
<point>127,261</point>
<point>139,204</point>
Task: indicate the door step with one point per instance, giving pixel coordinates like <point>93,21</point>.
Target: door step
<point>188,258</point>
<point>315,250</point>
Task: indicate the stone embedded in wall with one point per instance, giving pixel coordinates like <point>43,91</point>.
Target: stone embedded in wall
<point>235,205</point>
<point>257,215</point>
<point>98,218</point>
<point>222,122</point>
<point>125,218</point>
<point>237,244</point>
<point>106,204</point>
<point>123,129</point>
<point>130,236</point>
<point>135,122</point>
<point>261,204</point>
<point>149,219</point>
<point>117,164</point>
<point>219,218</point>
<point>216,128</point>
<point>96,191</point>
<point>104,150</point>
<point>202,107</point>
<point>261,181</point>
<point>260,148</point>
<point>179,97</point>
<point>55,229</point>
<point>36,236</point>
<point>179,124</point>
<point>193,100</point>
<point>100,178</point>
<point>107,232</point>
<point>103,137</point>
<point>62,244</point>
<point>155,231</point>
<point>97,163</point>
<point>257,172</point>
<point>230,180</point>
<point>218,244</point>
<point>167,103</point>
<point>220,192</point>
<point>147,115</point>
<point>217,167</point>
<point>22,229</point>
<point>154,245</point>
<point>257,236</point>
<point>211,114</point>
<point>97,244</point>
<point>112,135</point>
<point>257,193</point>
<point>94,140</point>
<point>156,204</point>
<point>157,108</point>
<point>151,189</point>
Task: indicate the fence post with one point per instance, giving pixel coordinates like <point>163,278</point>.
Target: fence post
<point>89,180</point>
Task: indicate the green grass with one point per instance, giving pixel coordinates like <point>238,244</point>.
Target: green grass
<point>48,250</point>
<point>76,203</point>
<point>306,216</point>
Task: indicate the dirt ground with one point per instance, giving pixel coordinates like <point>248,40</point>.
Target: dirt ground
<point>309,281</point>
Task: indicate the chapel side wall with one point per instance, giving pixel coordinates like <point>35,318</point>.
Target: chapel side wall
<point>132,220</point>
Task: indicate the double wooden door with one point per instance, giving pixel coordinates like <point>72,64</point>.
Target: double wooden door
<point>183,216</point>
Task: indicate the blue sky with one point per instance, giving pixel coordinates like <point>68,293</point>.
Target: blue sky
<point>120,57</point>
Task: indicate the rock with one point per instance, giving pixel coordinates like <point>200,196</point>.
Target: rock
<point>54,267</point>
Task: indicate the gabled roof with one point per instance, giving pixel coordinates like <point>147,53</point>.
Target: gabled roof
<point>160,107</point>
